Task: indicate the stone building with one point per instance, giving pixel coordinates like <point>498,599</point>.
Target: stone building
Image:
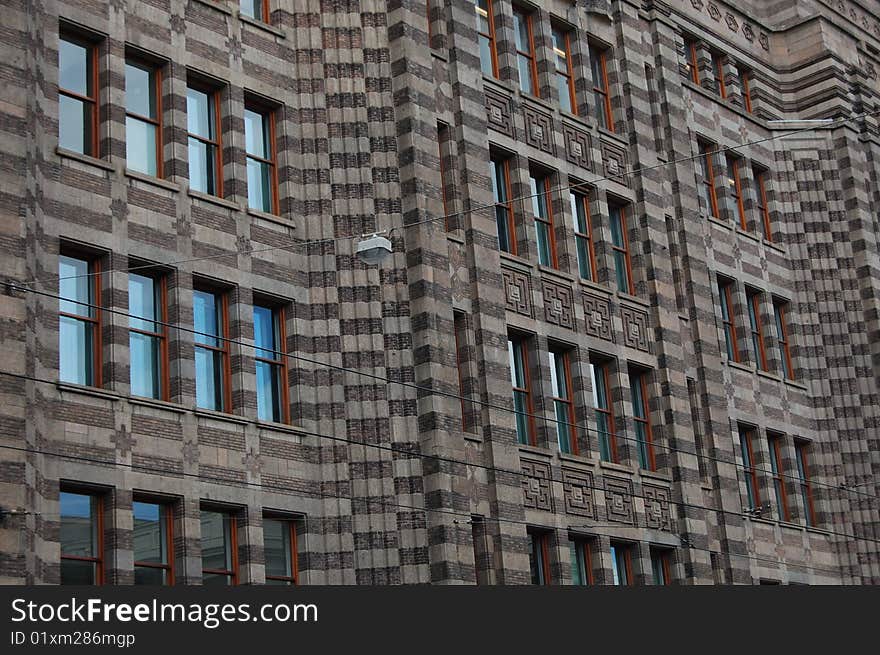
<point>628,331</point>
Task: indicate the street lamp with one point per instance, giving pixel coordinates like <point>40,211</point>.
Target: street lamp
<point>371,250</point>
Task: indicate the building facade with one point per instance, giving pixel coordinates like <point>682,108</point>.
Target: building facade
<point>629,331</point>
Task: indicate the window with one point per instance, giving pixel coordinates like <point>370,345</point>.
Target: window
<point>620,249</point>
<point>219,548</point>
<point>661,566</point>
<point>581,555</point>
<point>443,149</point>
<point>256,9</point>
<point>709,193</point>
<point>78,95</point>
<point>79,328</point>
<point>728,318</point>
<point>486,36</point>
<point>760,175</point>
<point>601,88</point>
<point>638,384</point>
<point>735,183</point>
<point>780,309</point>
<point>753,493</point>
<point>82,538</point>
<point>271,364</point>
<point>563,405</point>
<point>583,235</point>
<point>754,302</point>
<point>775,447</point>
<point>468,418</point>
<point>543,212</point>
<point>211,322</point>
<point>203,126</point>
<point>525,52</point>
<point>279,545</point>
<point>621,564</point>
<point>801,449</point>
<point>718,61</point>
<point>539,557</point>
<point>690,46</point>
<point>522,397</point>
<point>262,173</point>
<point>564,72</point>
<point>600,376</point>
<point>500,173</point>
<point>148,336</point>
<point>143,117</point>
<point>745,76</point>
<point>152,543</point>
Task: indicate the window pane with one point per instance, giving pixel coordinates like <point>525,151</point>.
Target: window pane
<point>276,543</point>
<point>150,533</point>
<point>255,134</point>
<point>486,56</point>
<point>216,538</point>
<point>521,31</point>
<point>205,318</point>
<point>140,146</point>
<point>216,579</point>
<point>268,392</point>
<point>658,569</point>
<point>520,405</point>
<point>79,524</point>
<point>599,109</point>
<point>144,356</point>
<point>563,429</point>
<point>264,333</point>
<point>202,172</point>
<point>525,74</point>
<point>542,231</point>
<point>536,560</point>
<point>620,271</point>
<point>77,572</point>
<point>75,351</point>
<point>209,380</point>
<point>76,284</point>
<point>74,68</point>
<point>74,125</point>
<point>140,91</point>
<point>604,430</point>
<point>564,94</point>
<point>578,576</point>
<point>517,372</point>
<point>149,576</point>
<point>199,114</point>
<point>258,185</point>
<point>252,9</point>
<point>142,303</point>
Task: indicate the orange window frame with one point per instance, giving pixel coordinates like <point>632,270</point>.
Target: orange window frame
<point>544,181</point>
<point>214,98</point>
<point>527,390</point>
<point>746,434</point>
<point>269,115</point>
<point>774,442</point>
<point>584,201</point>
<point>96,320</point>
<point>232,573</point>
<point>162,336</point>
<point>646,420</point>
<point>586,553</point>
<point>168,528</point>
<point>568,73</point>
<point>264,10</point>
<point>726,288</point>
<point>293,578</point>
<point>802,450</point>
<point>746,90</point>
<point>718,61</point>
<point>707,150</point>
<point>490,36</point>
<point>604,88</point>
<point>97,560</point>
<point>692,53</point>
<point>663,556</point>
<point>620,212</point>
<point>780,308</point>
<point>603,369</point>
<point>157,122</point>
<point>569,401</point>
<point>280,364</point>
<point>757,327</point>
<point>626,552</point>
<point>507,205</point>
<point>733,165</point>
<point>531,54</point>
<point>92,49</point>
<point>763,209</point>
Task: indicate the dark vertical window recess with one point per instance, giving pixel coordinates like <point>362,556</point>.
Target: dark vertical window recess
<point>754,306</point>
<point>753,491</point>
<point>499,171</point>
<point>601,88</point>
<point>620,249</point>
<point>621,564</point>
<point>539,557</point>
<point>583,234</point>
<point>525,52</point>
<point>728,319</point>
<point>522,395</point>
<point>780,311</point>
<point>638,382</point>
<point>775,448</point>
<point>82,538</point>
<point>580,553</point>
<point>542,210</point>
<point>262,173</point>
<point>802,454</point>
<point>563,400</point>
<point>600,377</point>
<point>661,566</point>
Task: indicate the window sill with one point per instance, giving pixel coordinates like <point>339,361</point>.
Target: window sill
<point>279,427</point>
<point>85,159</point>
<point>158,404</point>
<point>472,436</point>
<point>583,460</point>
<point>272,218</point>
<point>221,416</point>
<point>658,476</point>
<point>213,4</point>
<point>155,181</point>
<point>619,468</point>
<point>545,104</point>
<point>622,140</point>
<point>534,450</point>
<point>595,286</point>
<point>720,222</point>
<point>758,519</point>
<point>260,25</point>
<point>577,118</point>
<point>739,365</point>
<point>800,386</point>
<point>502,86</point>
<point>516,261</point>
<point>94,392</point>
<point>748,235</point>
<point>436,53</point>
<point>633,299</point>
<point>451,236</point>
<point>774,246</point>
<point>768,375</point>
<point>555,272</point>
<point>214,200</point>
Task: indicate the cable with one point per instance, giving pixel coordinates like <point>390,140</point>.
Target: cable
<point>448,460</point>
<point>299,493</point>
<point>446,217</point>
<point>437,392</point>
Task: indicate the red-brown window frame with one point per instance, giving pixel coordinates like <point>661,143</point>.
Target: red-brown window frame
<point>584,200</point>
<point>587,560</point>
<point>428,15</point>
<point>779,307</point>
<point>802,449</point>
<point>98,561</point>
<point>224,339</point>
<point>746,435</point>
<point>761,201</point>
<point>531,55</point>
<point>214,97</point>
<point>294,558</point>
<point>604,88</point>
<point>264,11</point>
<point>508,204</point>
<point>641,376</point>
<point>718,64</point>
<point>725,289</point>
<point>744,75</point>
<point>664,556</point>
<point>753,297</point>
<point>569,402</point>
<point>92,49</point>
<point>708,151</point>
<point>733,166</point>
<point>523,342</point>
<point>568,74</point>
<point>691,47</point>
<point>543,179</point>
<point>774,442</point>
<point>270,114</point>
<point>493,49</point>
<point>603,367</point>
<point>279,319</point>
<point>625,549</point>
<point>94,262</point>
<point>162,335</point>
<point>169,536</point>
<point>543,539</point>
<point>625,249</point>
<point>141,62</point>
<point>233,573</point>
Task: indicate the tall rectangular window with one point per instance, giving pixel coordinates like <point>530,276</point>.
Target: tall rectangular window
<point>468,415</point>
<point>525,52</point>
<point>79,322</point>
<point>709,192</point>
<point>780,311</point>
<point>486,35</point>
<point>735,189</point>
<point>539,557</point>
<point>583,234</point>
<point>279,546</point>
<point>728,318</point>
<point>143,117</point>
<point>153,543</point>
<point>690,46</point>
<point>621,564</point>
<point>753,297</point>
<point>442,151</point>
<point>82,538</point>
<point>775,447</point>
<point>638,385</point>
<point>564,71</point>
<point>563,400</point>
<point>802,449</point>
<point>620,249</point>
<point>718,61</point>
<point>760,176</point>
<point>211,322</point>
<point>148,336</point>
<point>256,9</point>
<point>78,95</point>
<point>580,553</point>
<point>262,172</point>
<point>500,174</point>
<point>601,88</point>
<point>219,548</point>
<point>542,209</point>
<point>203,127</point>
<point>661,566</point>
<point>753,490</point>
<point>745,77</point>
<point>600,376</point>
<point>517,351</point>
<point>271,364</point>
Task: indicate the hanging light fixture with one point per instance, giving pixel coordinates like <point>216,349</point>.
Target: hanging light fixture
<point>371,250</point>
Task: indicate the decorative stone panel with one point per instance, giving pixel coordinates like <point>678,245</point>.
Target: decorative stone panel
<point>577,487</point>
<point>558,305</point>
<point>517,291</point>
<point>498,113</point>
<point>657,508</point>
<point>615,162</point>
<point>578,147</point>
<point>597,311</point>
<point>537,493</point>
<point>635,328</point>
<point>539,129</point>
<point>618,500</point>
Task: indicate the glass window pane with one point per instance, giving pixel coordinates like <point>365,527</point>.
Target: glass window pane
<point>216,579</point>
<point>564,93</point>
<point>145,365</point>
<point>620,271</point>
<point>140,91</point>
<point>142,302</point>
<point>216,540</point>
<point>75,284</point>
<point>268,392</point>
<point>144,575</point>
<point>618,231</point>
<point>78,572</point>
<point>79,524</point>
<point>140,146</point>
<point>150,533</point>
<point>276,542</point>
<point>205,318</point>
<point>74,68</point>
<point>74,125</point>
<point>525,74</point>
<point>542,233</point>
<point>199,114</point>
<point>252,9</point>
<point>264,332</point>
<point>209,379</point>
<point>563,427</point>
<point>255,134</point>
<point>486,56</point>
<point>583,254</point>
<point>599,109</point>
<point>577,566</point>
<point>259,185</point>
<point>75,354</point>
<point>521,31</point>
<point>202,171</point>
<point>536,560</point>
